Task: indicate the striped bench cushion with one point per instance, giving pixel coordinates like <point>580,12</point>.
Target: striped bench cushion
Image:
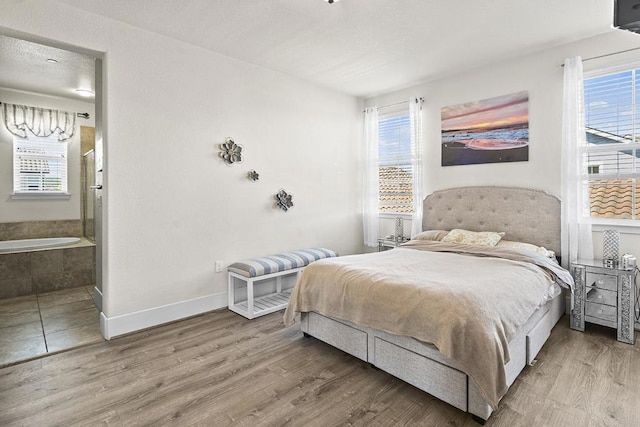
<point>275,263</point>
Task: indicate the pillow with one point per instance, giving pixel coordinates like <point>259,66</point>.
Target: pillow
<point>466,237</point>
<point>528,247</point>
<point>430,235</point>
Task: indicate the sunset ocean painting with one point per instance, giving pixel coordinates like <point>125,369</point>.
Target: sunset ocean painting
<point>488,131</point>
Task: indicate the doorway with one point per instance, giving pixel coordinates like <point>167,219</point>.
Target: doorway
<point>51,298</point>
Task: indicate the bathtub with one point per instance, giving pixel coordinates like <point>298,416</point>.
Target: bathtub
<point>26,244</point>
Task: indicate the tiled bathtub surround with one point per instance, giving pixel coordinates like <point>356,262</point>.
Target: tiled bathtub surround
<point>40,229</point>
<point>45,270</point>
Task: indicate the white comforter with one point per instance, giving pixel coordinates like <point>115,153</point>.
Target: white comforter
<point>468,301</point>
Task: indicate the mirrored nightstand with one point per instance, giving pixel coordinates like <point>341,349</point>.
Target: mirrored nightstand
<point>604,296</point>
<point>390,243</point>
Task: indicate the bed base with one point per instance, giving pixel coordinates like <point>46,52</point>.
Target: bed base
<point>422,365</point>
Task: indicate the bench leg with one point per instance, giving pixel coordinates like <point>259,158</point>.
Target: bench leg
<point>279,284</point>
<point>250,298</point>
<point>231,293</point>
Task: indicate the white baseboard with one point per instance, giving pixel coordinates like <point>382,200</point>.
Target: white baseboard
<point>119,325</point>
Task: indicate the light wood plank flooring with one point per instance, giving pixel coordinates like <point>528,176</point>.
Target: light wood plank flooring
<point>221,369</point>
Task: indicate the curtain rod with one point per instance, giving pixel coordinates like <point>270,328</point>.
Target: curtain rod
<point>608,54</point>
<point>81,115</point>
<point>399,103</point>
<point>611,54</point>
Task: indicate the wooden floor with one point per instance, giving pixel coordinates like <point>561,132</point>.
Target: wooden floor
<point>221,369</point>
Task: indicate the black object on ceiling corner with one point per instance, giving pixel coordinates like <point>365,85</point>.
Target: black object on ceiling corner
<point>626,15</point>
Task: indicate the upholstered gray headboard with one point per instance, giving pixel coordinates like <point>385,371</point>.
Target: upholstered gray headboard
<point>524,214</point>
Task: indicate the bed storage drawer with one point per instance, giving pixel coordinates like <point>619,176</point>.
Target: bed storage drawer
<point>439,380</point>
<point>339,335</point>
<point>536,338</point>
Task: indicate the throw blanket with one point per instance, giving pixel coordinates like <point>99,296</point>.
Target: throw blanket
<point>468,301</point>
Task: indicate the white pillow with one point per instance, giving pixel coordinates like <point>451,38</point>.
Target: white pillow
<point>540,250</point>
<point>466,237</point>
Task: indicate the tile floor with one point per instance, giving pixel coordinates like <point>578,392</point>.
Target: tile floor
<point>34,325</point>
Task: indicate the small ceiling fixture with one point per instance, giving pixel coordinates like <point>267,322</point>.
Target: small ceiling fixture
<point>332,1</point>
<point>52,61</point>
<point>85,92</point>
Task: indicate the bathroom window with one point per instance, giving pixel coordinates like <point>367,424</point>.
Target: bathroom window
<point>39,167</point>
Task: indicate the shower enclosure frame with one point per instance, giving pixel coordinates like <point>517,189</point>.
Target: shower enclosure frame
<point>88,202</point>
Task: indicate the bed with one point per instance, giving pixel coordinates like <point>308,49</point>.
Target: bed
<point>386,324</point>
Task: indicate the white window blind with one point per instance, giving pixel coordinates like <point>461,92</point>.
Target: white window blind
<point>394,161</point>
<point>39,165</point>
<point>610,155</point>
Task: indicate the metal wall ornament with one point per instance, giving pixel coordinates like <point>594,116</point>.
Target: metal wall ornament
<point>284,200</point>
<point>253,176</point>
<point>231,152</point>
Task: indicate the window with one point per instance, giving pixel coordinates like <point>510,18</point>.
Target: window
<point>612,146</point>
<point>394,161</point>
<point>39,166</point>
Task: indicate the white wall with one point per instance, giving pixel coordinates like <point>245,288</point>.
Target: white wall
<point>172,207</point>
<point>541,75</point>
<point>13,210</point>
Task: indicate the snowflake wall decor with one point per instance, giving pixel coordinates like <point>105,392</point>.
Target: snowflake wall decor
<point>231,152</point>
<point>283,200</point>
<point>253,175</point>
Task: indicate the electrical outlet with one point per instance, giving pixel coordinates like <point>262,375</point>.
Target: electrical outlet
<point>218,266</point>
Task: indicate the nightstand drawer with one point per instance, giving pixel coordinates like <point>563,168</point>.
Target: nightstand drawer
<point>602,296</point>
<point>602,281</point>
<point>601,311</point>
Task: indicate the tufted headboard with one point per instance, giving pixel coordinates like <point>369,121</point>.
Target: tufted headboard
<point>524,214</point>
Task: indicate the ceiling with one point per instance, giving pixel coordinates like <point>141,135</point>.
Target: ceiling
<point>358,47</point>
<point>24,66</point>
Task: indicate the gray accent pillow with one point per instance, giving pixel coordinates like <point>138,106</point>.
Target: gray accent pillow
<point>431,235</point>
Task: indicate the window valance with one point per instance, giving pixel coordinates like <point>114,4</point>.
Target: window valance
<point>42,122</point>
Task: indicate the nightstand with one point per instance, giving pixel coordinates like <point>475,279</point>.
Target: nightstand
<point>604,296</point>
<point>386,244</point>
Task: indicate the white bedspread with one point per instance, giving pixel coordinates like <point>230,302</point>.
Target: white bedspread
<point>468,301</point>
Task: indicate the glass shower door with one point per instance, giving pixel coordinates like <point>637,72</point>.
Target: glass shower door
<point>89,195</point>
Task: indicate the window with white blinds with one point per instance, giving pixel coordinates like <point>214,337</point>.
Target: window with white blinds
<point>39,165</point>
<point>610,156</point>
<point>394,161</point>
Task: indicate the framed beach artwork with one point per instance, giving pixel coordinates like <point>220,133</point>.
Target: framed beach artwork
<point>489,131</point>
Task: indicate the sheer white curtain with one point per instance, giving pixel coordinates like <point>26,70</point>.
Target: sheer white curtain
<point>577,240</point>
<point>415,113</point>
<point>371,222</point>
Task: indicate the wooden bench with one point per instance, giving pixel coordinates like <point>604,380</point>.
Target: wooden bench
<point>256,270</point>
